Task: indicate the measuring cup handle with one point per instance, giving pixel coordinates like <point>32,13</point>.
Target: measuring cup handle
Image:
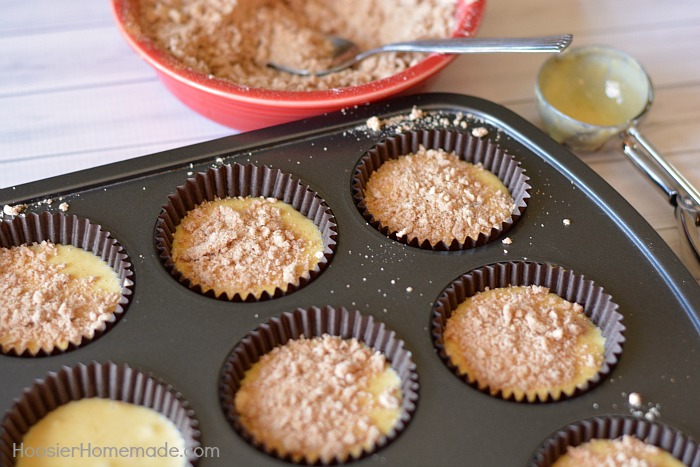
<point>676,187</point>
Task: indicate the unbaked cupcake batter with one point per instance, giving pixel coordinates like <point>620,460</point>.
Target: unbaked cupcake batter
<point>53,295</point>
<point>434,195</point>
<point>524,341</point>
<point>90,428</point>
<point>246,245</point>
<point>623,452</point>
<point>320,398</point>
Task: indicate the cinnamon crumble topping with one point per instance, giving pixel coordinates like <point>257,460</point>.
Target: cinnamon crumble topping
<point>523,341</point>
<point>437,196</point>
<point>246,245</point>
<point>320,398</point>
<point>42,307</point>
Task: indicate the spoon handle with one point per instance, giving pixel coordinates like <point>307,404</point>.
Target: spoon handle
<point>680,192</point>
<point>664,174</point>
<point>462,45</point>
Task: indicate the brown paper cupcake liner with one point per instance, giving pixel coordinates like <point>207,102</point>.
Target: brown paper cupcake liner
<point>105,380</point>
<point>236,180</point>
<point>597,304</point>
<point>469,148</point>
<point>315,322</point>
<point>59,228</point>
<point>679,445</point>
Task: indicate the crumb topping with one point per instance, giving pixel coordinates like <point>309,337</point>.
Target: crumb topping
<point>627,451</point>
<point>437,196</point>
<point>247,248</point>
<point>522,339</point>
<point>480,132</point>
<point>314,399</point>
<point>15,210</point>
<point>234,40</point>
<point>41,307</point>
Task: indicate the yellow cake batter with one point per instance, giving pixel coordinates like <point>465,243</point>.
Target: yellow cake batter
<point>102,432</point>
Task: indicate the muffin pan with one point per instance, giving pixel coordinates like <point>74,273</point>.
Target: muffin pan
<point>573,220</point>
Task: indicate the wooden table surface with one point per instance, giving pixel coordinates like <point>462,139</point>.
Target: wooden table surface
<point>73,95</point>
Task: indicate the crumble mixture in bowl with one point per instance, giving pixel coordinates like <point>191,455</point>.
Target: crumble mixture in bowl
<point>213,54</point>
<point>234,40</point>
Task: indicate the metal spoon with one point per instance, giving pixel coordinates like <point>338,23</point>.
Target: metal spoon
<point>346,53</point>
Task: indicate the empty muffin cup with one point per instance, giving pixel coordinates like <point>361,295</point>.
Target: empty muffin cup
<point>74,297</point>
<point>416,189</point>
<point>615,427</point>
<point>318,330</point>
<point>227,213</point>
<point>99,382</point>
<point>500,328</point>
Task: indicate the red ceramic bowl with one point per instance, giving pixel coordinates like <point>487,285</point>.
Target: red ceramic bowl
<point>245,108</point>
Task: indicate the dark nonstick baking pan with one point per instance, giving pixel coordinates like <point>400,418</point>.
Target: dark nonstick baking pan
<point>573,220</point>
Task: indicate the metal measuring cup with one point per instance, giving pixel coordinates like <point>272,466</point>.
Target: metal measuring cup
<point>622,79</point>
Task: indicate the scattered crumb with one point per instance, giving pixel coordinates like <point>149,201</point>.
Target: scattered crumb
<point>374,123</point>
<point>635,400</point>
<point>507,241</point>
<point>566,222</point>
<point>63,206</point>
<point>416,113</point>
<point>15,210</point>
<point>480,132</point>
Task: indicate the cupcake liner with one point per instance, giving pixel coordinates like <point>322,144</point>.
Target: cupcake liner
<point>59,228</point>
<point>104,380</point>
<point>235,180</point>
<point>315,322</point>
<point>679,445</point>
<point>469,148</point>
<point>598,306</point>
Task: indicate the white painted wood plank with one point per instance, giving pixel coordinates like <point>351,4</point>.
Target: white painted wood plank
<point>22,171</point>
<point>510,18</point>
<point>511,77</point>
<point>30,16</point>
<point>92,119</point>
<point>65,59</point>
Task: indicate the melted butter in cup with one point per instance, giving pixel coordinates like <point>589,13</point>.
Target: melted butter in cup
<point>588,94</point>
